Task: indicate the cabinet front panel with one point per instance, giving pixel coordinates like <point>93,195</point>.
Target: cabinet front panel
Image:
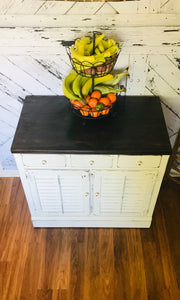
<point>92,161</point>
<point>44,161</point>
<point>63,193</point>
<point>48,193</point>
<point>74,188</point>
<point>108,191</point>
<point>123,193</point>
<point>140,162</point>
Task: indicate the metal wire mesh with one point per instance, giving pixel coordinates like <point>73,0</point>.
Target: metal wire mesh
<point>92,70</point>
<point>89,69</point>
<point>89,113</point>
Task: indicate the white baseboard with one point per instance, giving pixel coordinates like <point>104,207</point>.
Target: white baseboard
<point>122,223</point>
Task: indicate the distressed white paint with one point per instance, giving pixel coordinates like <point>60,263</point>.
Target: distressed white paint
<point>94,204</point>
<point>24,7</point>
<point>11,88</point>
<point>33,68</point>
<point>33,60</point>
<point>87,20</point>
<point>166,67</point>
<point>137,70</point>
<point>106,9</point>
<point>7,161</point>
<point>5,5</point>
<point>81,8</point>
<point>6,130</point>
<point>157,85</point>
<point>154,6</point>
<point>143,6</point>
<point>62,7</point>
<point>22,78</point>
<point>136,40</point>
<point>171,6</point>
<point>125,8</point>
<point>7,112</point>
<point>55,7</point>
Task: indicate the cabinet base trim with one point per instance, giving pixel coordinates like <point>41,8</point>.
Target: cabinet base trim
<point>95,224</point>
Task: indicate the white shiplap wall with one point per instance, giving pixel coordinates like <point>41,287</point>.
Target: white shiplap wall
<point>33,59</point>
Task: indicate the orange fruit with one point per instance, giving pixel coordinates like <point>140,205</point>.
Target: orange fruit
<point>105,111</point>
<point>87,98</point>
<point>96,94</point>
<point>77,104</point>
<point>92,102</point>
<point>111,97</point>
<point>85,110</point>
<point>105,101</point>
<point>94,112</point>
<point>72,101</point>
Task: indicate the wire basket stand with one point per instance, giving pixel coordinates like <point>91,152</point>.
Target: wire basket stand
<point>93,70</point>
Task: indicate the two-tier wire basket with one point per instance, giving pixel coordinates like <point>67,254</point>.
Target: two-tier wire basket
<point>92,70</point>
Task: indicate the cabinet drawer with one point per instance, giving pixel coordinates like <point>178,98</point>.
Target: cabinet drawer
<point>43,160</point>
<point>140,162</point>
<point>92,161</point>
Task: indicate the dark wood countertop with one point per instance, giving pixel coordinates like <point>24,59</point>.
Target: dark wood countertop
<point>135,127</point>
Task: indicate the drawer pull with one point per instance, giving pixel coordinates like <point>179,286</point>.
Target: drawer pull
<point>97,194</point>
<point>86,194</point>
<point>44,162</point>
<point>139,163</point>
<point>91,162</point>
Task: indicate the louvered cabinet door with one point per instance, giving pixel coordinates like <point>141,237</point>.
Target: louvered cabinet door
<point>60,192</point>
<point>118,193</point>
<point>74,189</point>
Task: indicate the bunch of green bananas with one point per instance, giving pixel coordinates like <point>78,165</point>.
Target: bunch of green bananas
<point>77,87</point>
<point>82,51</point>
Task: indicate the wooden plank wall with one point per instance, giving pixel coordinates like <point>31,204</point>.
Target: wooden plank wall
<point>33,58</point>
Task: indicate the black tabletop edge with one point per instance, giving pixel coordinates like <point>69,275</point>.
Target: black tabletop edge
<point>96,152</point>
<point>16,147</point>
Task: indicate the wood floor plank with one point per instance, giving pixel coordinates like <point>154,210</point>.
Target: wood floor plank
<point>88,263</point>
<point>137,278</point>
<point>156,251</point>
<point>121,264</point>
<point>63,267</point>
<point>167,264</point>
<point>74,283</point>
<point>171,212</point>
<point>106,263</point>
<point>44,294</point>
<point>153,264</point>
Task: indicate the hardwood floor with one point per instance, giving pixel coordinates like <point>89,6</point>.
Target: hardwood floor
<point>88,264</point>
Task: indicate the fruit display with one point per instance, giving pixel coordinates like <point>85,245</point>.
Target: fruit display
<point>77,87</point>
<point>97,104</point>
<point>94,56</point>
<point>92,102</point>
<point>91,88</point>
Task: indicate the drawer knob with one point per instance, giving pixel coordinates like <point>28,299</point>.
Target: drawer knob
<point>91,162</point>
<point>86,194</point>
<point>44,162</point>
<point>97,194</point>
<point>139,163</point>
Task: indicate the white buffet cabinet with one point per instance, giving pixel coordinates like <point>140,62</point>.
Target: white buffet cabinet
<point>91,190</point>
<point>103,173</point>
